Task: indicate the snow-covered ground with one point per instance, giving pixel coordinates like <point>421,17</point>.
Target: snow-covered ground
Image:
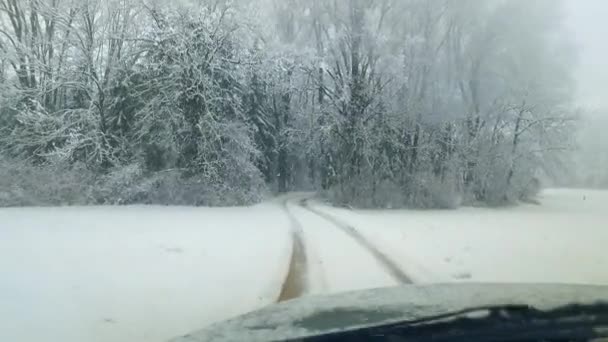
<point>134,273</point>
<point>563,240</point>
<point>151,273</point>
<point>336,262</point>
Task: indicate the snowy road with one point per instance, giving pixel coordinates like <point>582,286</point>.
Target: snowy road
<point>314,259</point>
<point>296,278</point>
<point>382,259</point>
<point>136,274</point>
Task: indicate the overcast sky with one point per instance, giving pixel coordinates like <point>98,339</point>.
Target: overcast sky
<point>588,20</point>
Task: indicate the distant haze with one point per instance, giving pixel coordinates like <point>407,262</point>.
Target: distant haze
<point>588,20</point>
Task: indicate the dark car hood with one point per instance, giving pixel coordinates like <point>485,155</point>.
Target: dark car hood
<point>316,315</point>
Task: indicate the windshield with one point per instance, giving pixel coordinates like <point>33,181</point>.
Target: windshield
<point>165,166</point>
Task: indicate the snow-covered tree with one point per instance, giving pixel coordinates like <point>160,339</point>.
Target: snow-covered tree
<point>372,103</point>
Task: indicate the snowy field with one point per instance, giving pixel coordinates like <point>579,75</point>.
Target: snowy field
<point>134,273</point>
<point>563,240</point>
<point>151,273</point>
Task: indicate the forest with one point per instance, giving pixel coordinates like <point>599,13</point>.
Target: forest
<point>369,103</point>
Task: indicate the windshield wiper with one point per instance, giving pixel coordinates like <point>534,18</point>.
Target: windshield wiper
<point>497,323</point>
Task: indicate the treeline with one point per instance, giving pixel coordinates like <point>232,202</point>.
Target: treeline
<point>388,103</point>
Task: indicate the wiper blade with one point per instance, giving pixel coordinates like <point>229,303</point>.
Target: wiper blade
<point>498,323</point>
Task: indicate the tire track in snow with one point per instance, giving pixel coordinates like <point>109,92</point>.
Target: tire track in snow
<point>389,265</point>
<point>295,283</point>
<point>315,272</point>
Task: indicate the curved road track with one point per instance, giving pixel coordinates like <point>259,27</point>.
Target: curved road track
<point>295,283</point>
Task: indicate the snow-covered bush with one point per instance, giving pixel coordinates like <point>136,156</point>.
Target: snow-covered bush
<point>24,184</point>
